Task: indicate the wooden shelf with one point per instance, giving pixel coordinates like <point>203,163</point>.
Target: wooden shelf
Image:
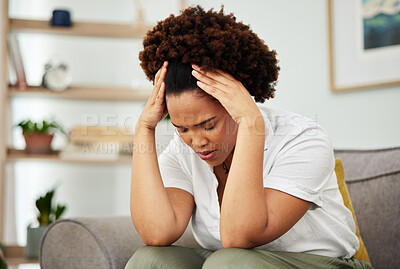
<point>83,93</point>
<point>81,29</point>
<point>19,260</point>
<point>14,155</point>
<point>15,255</point>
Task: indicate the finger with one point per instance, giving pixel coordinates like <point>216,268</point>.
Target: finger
<point>209,81</point>
<point>213,75</point>
<point>215,92</point>
<point>161,93</point>
<point>157,76</point>
<point>226,75</point>
<point>155,90</point>
<point>159,81</point>
<point>163,74</point>
<point>163,71</point>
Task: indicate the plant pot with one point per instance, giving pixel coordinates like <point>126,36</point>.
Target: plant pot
<point>38,143</point>
<point>33,239</point>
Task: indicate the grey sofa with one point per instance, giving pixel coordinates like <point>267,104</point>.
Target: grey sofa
<point>372,176</point>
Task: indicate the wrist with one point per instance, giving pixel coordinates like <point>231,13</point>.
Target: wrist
<point>253,123</point>
<point>142,128</point>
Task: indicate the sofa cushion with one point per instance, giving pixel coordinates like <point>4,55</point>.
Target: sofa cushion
<point>89,243</point>
<point>373,180</point>
<point>362,251</point>
<point>368,164</point>
<point>94,242</point>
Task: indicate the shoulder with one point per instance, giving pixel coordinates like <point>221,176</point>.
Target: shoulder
<point>299,158</point>
<point>284,127</point>
<point>293,136</point>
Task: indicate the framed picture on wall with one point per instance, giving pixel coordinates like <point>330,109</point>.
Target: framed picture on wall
<point>364,37</point>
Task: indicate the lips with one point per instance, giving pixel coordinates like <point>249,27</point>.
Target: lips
<point>207,155</point>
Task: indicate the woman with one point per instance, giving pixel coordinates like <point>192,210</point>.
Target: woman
<point>259,183</point>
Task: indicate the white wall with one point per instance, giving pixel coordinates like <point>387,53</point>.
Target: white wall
<point>297,30</point>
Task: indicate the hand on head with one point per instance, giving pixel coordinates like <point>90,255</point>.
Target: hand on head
<point>228,91</point>
<point>155,109</point>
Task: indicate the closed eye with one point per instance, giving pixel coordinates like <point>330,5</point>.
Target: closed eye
<point>210,128</point>
<point>182,130</point>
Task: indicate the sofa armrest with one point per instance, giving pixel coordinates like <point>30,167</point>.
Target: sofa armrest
<point>94,242</point>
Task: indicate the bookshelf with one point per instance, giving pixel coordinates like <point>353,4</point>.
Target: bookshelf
<point>82,93</point>
<point>80,29</point>
<point>15,254</point>
<point>15,155</point>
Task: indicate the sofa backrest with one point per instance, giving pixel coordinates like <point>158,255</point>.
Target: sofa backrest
<point>373,180</point>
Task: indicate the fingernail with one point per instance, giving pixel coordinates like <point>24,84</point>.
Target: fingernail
<point>195,66</point>
<point>195,73</point>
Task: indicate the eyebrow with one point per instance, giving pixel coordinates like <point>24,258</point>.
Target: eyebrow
<point>197,124</point>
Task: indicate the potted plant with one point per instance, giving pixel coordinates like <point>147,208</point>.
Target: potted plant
<point>38,136</point>
<point>3,264</point>
<point>47,214</point>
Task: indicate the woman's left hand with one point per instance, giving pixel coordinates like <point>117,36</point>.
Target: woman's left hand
<point>229,92</point>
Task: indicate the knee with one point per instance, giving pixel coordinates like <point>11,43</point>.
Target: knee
<point>237,258</point>
<point>141,258</point>
<point>227,258</point>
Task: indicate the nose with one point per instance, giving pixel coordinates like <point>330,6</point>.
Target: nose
<point>198,141</point>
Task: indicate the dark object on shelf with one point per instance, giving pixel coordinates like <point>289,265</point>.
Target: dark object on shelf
<point>61,17</point>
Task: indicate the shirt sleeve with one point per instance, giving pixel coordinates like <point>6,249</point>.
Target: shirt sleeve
<point>303,166</point>
<point>171,169</point>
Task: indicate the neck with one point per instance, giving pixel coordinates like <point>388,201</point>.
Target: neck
<point>228,160</point>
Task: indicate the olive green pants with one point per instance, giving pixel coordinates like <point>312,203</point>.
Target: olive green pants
<point>174,257</point>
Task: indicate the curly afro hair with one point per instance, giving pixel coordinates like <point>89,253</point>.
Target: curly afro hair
<point>212,40</point>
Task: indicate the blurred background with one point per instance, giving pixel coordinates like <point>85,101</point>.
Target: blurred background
<point>297,30</point>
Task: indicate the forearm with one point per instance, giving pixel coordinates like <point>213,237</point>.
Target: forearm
<point>151,210</point>
<point>244,208</point>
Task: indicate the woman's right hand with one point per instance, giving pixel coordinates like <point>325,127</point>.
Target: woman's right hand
<point>155,109</point>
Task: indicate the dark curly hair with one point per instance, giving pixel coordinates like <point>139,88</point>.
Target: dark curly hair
<point>212,40</point>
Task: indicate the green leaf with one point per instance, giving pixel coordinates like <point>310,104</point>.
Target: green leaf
<point>59,211</point>
<point>44,205</point>
<point>3,265</point>
<point>26,126</point>
<point>43,127</point>
<point>47,213</point>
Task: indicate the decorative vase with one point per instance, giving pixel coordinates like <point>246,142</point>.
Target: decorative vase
<point>33,239</point>
<point>38,143</point>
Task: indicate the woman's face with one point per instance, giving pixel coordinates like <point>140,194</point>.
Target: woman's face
<point>204,125</point>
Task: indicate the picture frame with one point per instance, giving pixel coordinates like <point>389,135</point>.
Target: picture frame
<point>359,60</point>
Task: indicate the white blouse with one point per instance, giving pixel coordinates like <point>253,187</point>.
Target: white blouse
<point>298,160</point>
